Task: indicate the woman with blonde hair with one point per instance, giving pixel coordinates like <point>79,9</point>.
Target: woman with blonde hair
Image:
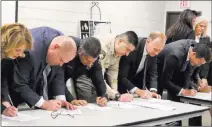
<point>200,27</point>
<point>202,73</point>
<point>15,40</point>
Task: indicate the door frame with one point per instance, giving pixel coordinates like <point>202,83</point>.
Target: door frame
<point>167,13</point>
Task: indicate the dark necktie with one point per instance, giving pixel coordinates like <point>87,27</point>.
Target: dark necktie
<point>145,69</point>
<point>185,64</point>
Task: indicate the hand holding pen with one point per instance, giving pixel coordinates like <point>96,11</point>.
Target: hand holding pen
<point>102,101</point>
<point>11,110</point>
<point>127,97</point>
<point>145,94</point>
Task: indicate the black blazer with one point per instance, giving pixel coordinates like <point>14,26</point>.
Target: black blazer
<point>128,66</point>
<point>75,68</point>
<point>210,74</point>
<point>203,70</point>
<point>28,71</point>
<point>2,108</point>
<point>189,35</point>
<point>170,62</point>
<point>205,39</point>
<point>6,80</point>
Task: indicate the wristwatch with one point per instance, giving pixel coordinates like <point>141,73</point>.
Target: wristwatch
<point>155,91</point>
<point>117,96</point>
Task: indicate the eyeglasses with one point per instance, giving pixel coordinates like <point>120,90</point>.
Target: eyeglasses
<point>70,113</point>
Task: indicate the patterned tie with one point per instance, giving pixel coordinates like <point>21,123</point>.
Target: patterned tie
<point>184,66</point>
<point>46,72</point>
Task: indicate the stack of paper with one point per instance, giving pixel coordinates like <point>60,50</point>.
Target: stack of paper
<point>21,117</point>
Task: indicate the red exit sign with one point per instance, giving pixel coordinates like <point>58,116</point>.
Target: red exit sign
<point>184,3</point>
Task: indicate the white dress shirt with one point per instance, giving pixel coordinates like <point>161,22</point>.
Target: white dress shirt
<point>197,38</point>
<point>141,67</point>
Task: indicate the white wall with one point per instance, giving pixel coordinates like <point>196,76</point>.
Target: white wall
<point>140,16</point>
<point>204,6</point>
<point>8,12</point>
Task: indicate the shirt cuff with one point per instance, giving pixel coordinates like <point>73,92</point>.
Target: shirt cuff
<point>111,92</point>
<point>40,102</point>
<point>153,89</point>
<point>60,97</point>
<point>133,90</point>
<point>180,92</point>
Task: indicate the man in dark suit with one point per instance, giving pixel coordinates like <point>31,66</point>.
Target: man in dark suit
<point>210,69</point>
<point>38,78</point>
<point>138,70</point>
<point>202,73</point>
<point>87,63</point>
<point>176,64</point>
<point>210,74</point>
<point>201,77</point>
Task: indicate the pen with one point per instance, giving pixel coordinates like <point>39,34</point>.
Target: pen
<point>128,92</point>
<point>11,102</point>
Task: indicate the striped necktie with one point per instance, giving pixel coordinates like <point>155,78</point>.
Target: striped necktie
<point>46,72</point>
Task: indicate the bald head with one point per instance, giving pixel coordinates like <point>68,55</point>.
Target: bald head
<point>155,43</point>
<point>61,50</point>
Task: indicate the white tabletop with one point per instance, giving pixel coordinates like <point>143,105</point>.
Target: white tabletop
<point>114,116</point>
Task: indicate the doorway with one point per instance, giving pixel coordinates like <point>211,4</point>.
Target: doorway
<point>171,18</point>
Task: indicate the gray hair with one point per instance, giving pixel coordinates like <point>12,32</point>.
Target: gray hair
<point>91,47</point>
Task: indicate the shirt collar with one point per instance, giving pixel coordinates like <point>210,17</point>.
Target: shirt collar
<point>198,36</point>
<point>145,51</point>
<point>187,59</point>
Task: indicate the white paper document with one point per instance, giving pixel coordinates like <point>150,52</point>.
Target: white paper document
<point>94,107</point>
<point>69,112</point>
<point>158,100</point>
<point>158,106</point>
<point>4,123</point>
<point>122,105</point>
<point>21,117</point>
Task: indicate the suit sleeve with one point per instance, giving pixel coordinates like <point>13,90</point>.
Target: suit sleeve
<point>168,70</point>
<point>2,108</point>
<point>187,76</point>
<point>69,96</point>
<point>22,81</point>
<point>124,68</point>
<point>152,73</point>
<point>204,70</point>
<point>4,90</point>
<point>6,76</point>
<point>97,79</point>
<point>58,83</point>
<point>67,75</point>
